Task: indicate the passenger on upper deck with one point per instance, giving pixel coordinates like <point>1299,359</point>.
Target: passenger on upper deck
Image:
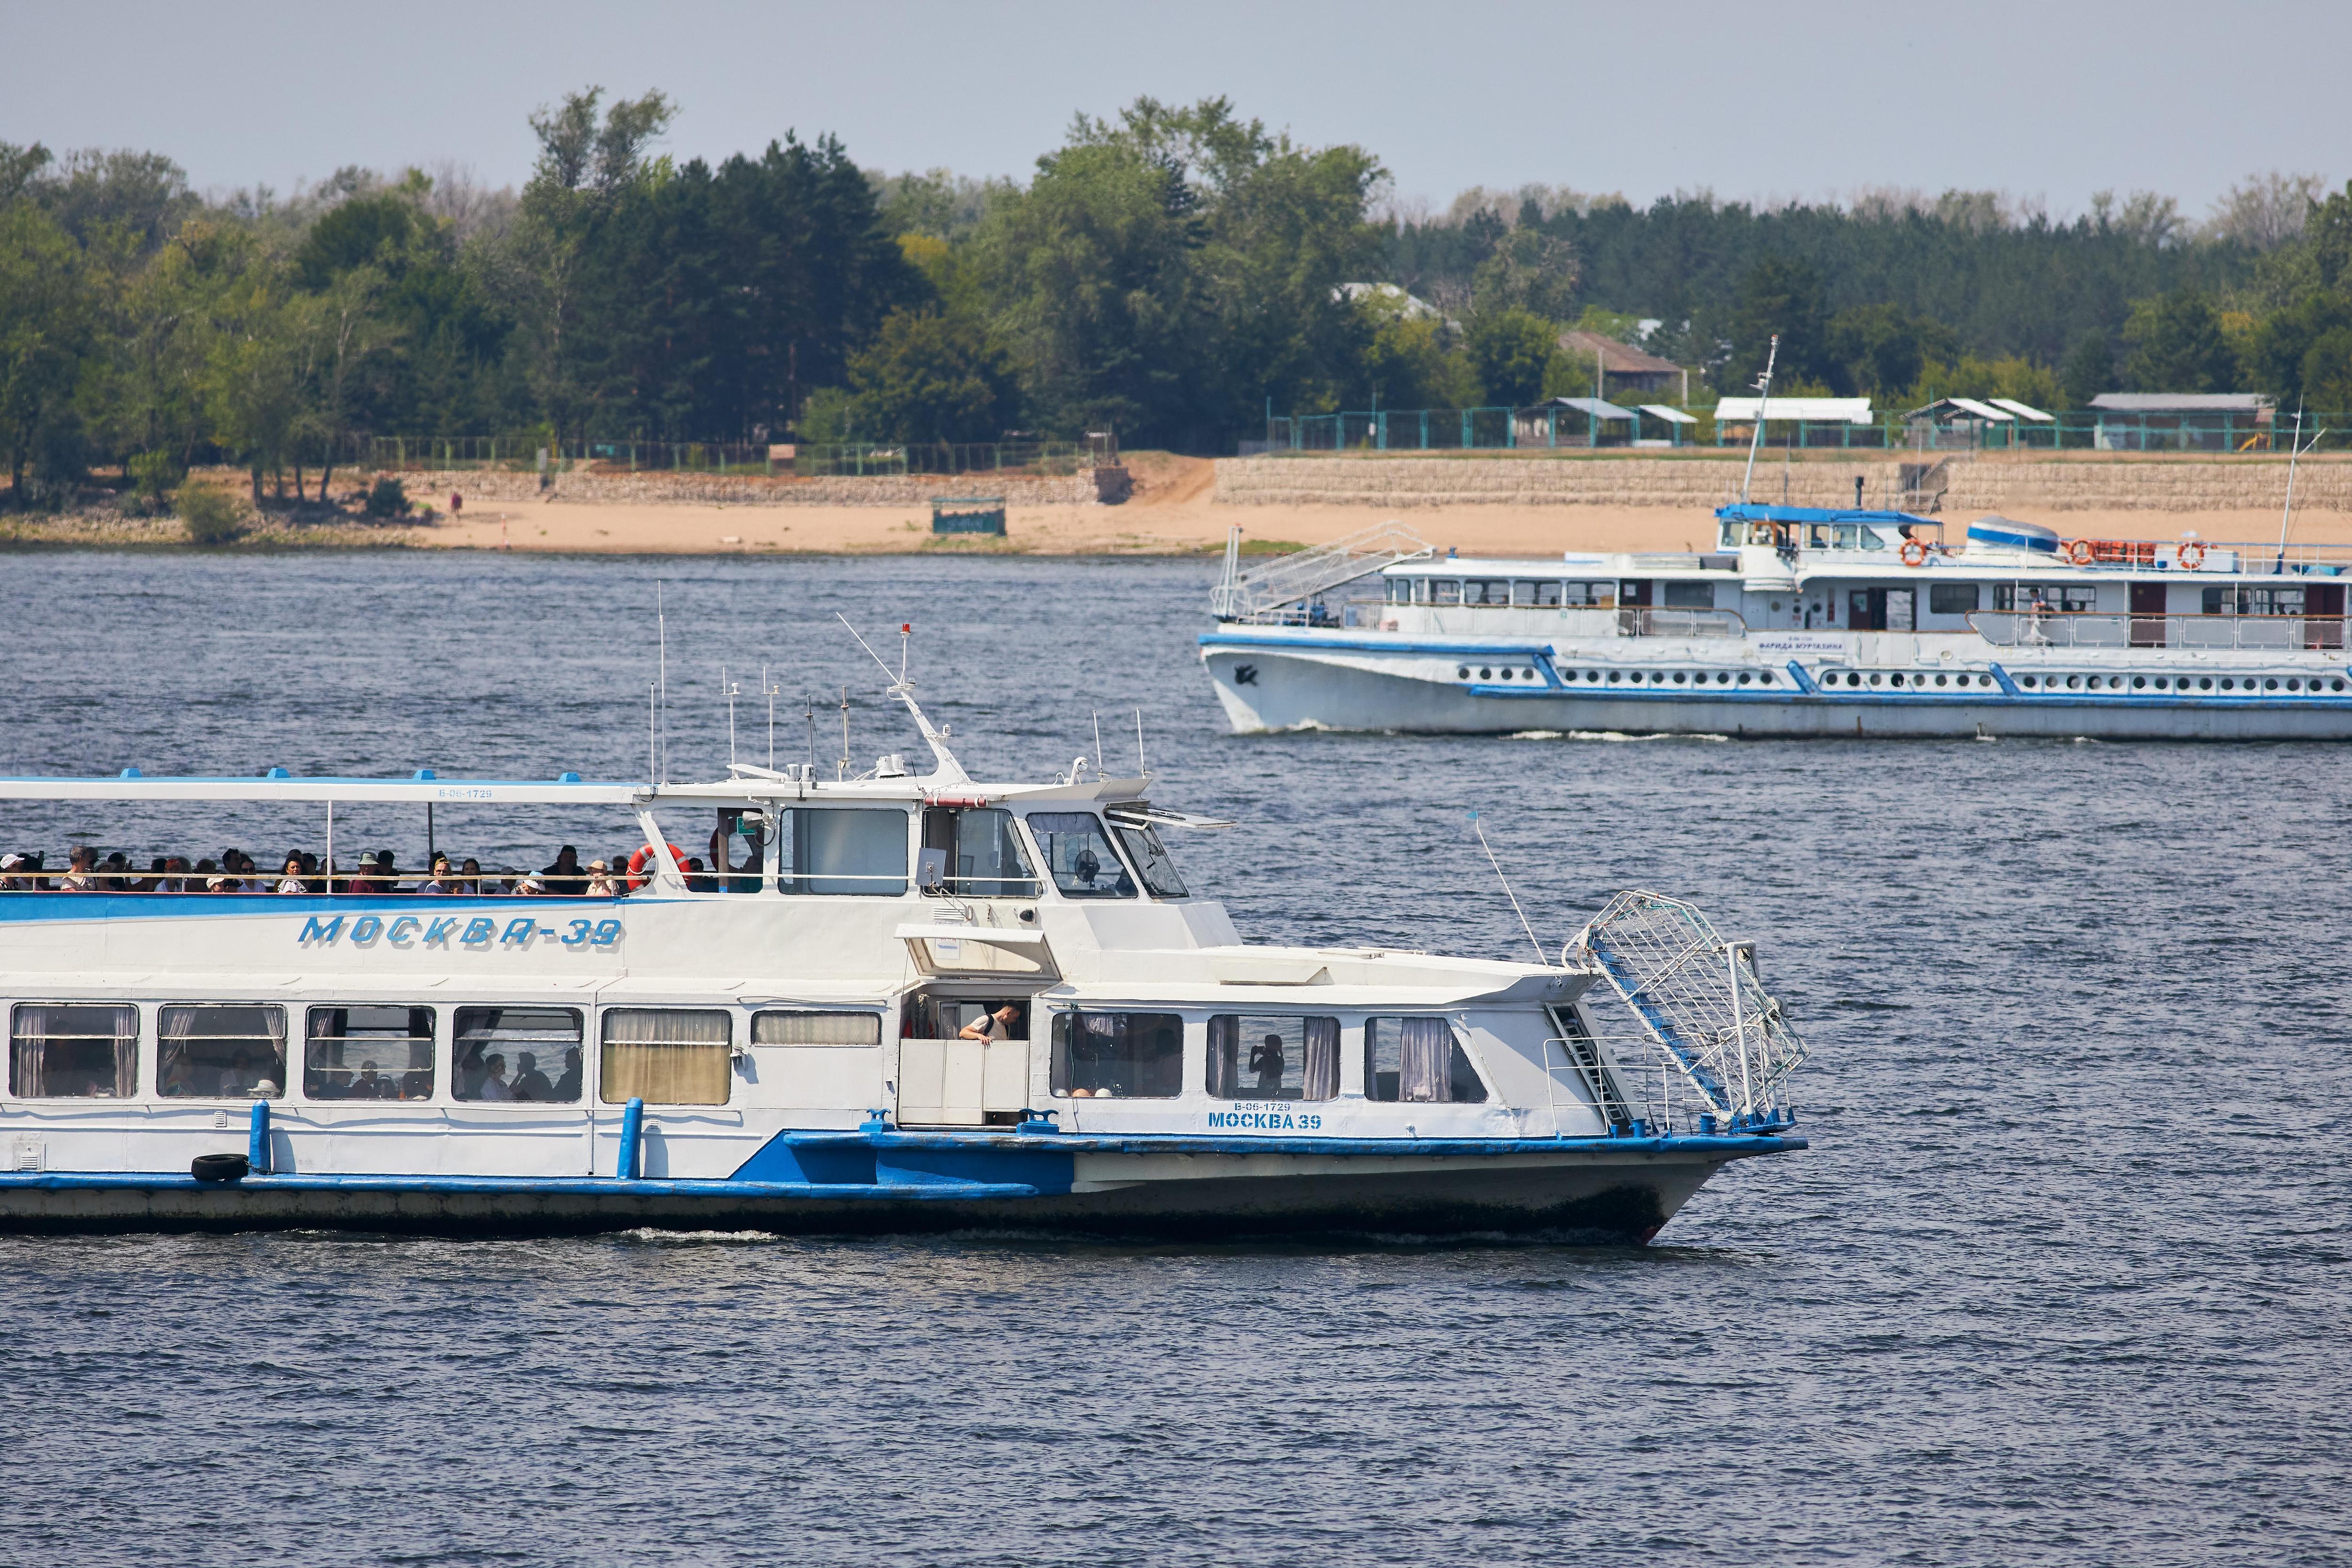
<point>291,879</point>
<point>564,878</point>
<point>363,878</point>
<point>442,884</point>
<point>10,881</point>
<point>599,881</point>
<point>386,876</point>
<point>80,872</point>
<point>469,877</point>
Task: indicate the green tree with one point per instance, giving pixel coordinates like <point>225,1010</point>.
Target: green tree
<point>46,321</point>
<point>932,378</point>
<point>2177,345</point>
<point>1882,349</point>
<point>2302,353</point>
<point>1511,350</point>
<point>2090,370</point>
<point>1777,296</point>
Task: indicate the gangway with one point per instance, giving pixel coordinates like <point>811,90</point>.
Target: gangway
<point>1263,591</point>
<point>1698,999</point>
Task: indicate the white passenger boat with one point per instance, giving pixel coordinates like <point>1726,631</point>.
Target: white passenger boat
<point>1800,622</point>
<point>886,1002</point>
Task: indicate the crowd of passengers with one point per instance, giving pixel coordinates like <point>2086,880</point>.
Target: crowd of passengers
<point>235,872</point>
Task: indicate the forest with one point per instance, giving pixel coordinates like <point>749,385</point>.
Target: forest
<point>1172,273</point>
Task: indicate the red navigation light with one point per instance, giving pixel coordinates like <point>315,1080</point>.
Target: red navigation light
<point>907,628</point>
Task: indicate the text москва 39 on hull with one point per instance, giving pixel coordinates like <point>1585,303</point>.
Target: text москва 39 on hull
<point>1801,621</point>
<point>888,1002</point>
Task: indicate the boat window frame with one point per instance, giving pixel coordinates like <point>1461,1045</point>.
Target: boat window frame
<point>579,1043</point>
<point>1459,1057</point>
<point>136,1041</point>
<point>284,1048</point>
<point>432,1038</point>
<point>725,1044</point>
<point>785,818</point>
<point>1052,877</point>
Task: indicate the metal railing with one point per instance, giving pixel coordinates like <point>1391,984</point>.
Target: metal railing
<point>2103,629</point>
<point>1499,428</point>
<point>1641,623</point>
<point>1264,591</point>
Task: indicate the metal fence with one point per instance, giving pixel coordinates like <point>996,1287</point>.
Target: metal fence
<point>522,454</point>
<point>1549,427</point>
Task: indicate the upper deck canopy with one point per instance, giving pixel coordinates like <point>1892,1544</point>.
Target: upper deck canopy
<point>424,788</point>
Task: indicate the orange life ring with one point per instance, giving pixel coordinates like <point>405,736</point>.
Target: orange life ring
<point>2081,551</point>
<point>644,857</point>
<point>2191,555</point>
<point>1914,553</point>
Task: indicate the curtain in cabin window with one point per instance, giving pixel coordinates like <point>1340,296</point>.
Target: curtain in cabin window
<point>666,1057</point>
<point>1322,1059</point>
<point>1426,1046</point>
<point>1225,1057</point>
<point>68,1052</point>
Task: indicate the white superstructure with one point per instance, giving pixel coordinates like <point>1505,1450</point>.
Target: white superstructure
<point>883,1003</point>
<point>1803,622</point>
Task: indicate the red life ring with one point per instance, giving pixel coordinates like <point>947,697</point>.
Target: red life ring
<point>2081,551</point>
<point>644,857</point>
<point>1914,553</point>
<point>2191,555</point>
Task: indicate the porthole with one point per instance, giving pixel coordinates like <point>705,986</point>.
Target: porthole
<point>1486,673</point>
<point>1613,678</point>
<point>1854,679</point>
<point>2138,681</point>
<point>1634,676</point>
<point>2272,684</point>
<point>1526,674</point>
<point>2295,685</point>
<point>2160,683</point>
<point>1680,677</point>
<point>2335,686</point>
<point>1592,674</point>
<point>1764,677</point>
<point>1894,680</point>
<point>2026,682</point>
<point>2205,683</point>
<point>1745,678</point>
<point>1723,678</point>
<point>2226,683</point>
<point>1874,678</point>
<point>1508,672</point>
<point>1463,673</point>
<point>1942,679</point>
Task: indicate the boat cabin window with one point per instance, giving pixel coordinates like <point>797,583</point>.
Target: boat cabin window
<point>1080,855</point>
<point>220,1053</point>
<point>845,851</point>
<point>1152,861</point>
<point>2254,601</point>
<point>1118,1055</point>
<point>1418,1062</point>
<point>1536,595</point>
<point>1400,589</point>
<point>518,1053</point>
<point>1689,595</point>
<point>368,1053</point>
<point>64,1051</point>
<point>1272,1057</point>
<point>1951,598</point>
<point>932,1017</point>
<point>665,1056</point>
<point>816,1029</point>
<point>1487,590</point>
<point>2068,597</point>
<point>975,854</point>
<point>1445,591</point>
<point>739,848</point>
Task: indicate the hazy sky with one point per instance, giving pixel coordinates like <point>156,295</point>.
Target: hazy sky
<point>2048,99</point>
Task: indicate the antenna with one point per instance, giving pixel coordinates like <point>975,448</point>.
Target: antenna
<point>729,691</point>
<point>653,742</point>
<point>1098,751</point>
<point>1141,771</point>
<point>1489,848</point>
<point>949,769</point>
<point>771,693</point>
<point>811,702</point>
<point>842,770</point>
<point>2296,449</point>
<point>1763,398</point>
<point>661,631</point>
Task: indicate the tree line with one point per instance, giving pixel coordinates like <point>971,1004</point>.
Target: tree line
<point>1172,273</point>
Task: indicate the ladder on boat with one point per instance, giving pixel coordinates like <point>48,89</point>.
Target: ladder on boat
<point>1264,591</point>
<point>1698,1000</point>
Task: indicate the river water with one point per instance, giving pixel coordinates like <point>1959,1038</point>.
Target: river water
<point>2064,1278</point>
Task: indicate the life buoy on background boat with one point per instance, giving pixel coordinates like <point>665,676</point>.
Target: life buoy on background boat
<point>2081,551</point>
<point>644,857</point>
<point>1914,553</point>
<point>2191,554</point>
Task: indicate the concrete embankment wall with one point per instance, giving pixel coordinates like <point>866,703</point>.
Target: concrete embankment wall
<point>2064,484</point>
<point>717,489</point>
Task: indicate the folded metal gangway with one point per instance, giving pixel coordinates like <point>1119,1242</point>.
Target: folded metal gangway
<point>1262,592</point>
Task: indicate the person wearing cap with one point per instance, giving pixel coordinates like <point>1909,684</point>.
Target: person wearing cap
<point>599,881</point>
<point>364,879</point>
<point>531,887</point>
<point>10,864</point>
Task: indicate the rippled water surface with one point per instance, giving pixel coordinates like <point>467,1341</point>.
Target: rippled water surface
<point>2064,1278</point>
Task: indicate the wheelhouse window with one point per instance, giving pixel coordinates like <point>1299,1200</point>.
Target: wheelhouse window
<point>1418,1062</point>
<point>1152,862</point>
<point>739,848</point>
<point>530,1053</point>
<point>1118,1055</point>
<point>220,1052</point>
<point>665,1056</point>
<point>1080,855</point>
<point>1273,1057</point>
<point>846,851</point>
<point>69,1051</point>
<point>816,1029</point>
<point>979,854</point>
<point>368,1053</point>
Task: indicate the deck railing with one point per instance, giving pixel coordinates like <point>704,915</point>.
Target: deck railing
<point>1633,622</point>
<point>2102,630</point>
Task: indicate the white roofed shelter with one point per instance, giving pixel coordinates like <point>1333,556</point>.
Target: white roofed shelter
<point>1797,421</point>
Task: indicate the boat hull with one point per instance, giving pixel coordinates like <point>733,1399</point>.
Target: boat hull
<point>1277,685</point>
<point>1609,1192</point>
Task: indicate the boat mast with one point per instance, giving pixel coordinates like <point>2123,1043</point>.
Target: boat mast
<point>1763,397</point>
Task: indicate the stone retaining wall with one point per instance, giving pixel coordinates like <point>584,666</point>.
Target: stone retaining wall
<point>717,489</point>
<point>2059,484</point>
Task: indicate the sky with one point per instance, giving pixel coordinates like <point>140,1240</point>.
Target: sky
<point>2049,101</point>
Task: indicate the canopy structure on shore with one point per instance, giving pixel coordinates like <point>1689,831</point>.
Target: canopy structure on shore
<point>1808,410</point>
